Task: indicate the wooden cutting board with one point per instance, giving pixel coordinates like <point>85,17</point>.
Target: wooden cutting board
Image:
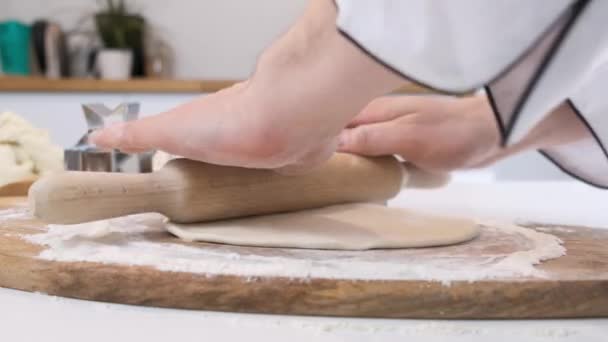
<point>19,188</point>
<point>574,285</point>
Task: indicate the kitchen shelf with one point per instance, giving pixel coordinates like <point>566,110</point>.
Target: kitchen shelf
<point>33,84</point>
<point>37,84</point>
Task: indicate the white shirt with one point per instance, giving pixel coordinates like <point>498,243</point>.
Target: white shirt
<point>530,56</point>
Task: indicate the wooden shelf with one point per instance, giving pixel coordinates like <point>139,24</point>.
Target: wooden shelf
<point>28,84</point>
<point>34,84</point>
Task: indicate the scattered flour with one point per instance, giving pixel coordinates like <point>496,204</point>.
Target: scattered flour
<point>556,229</point>
<point>126,241</point>
<point>15,213</point>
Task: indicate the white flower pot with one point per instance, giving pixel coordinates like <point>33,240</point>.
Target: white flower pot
<point>114,64</point>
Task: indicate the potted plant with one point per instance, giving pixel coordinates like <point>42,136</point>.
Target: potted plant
<point>122,36</point>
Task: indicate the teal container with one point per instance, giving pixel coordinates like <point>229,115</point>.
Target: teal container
<point>15,48</point>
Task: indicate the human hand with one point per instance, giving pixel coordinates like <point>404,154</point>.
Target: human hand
<point>435,133</point>
<point>306,88</point>
<point>441,134</point>
<point>229,127</point>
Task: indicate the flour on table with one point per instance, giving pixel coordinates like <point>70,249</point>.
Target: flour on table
<point>16,213</point>
<point>125,241</point>
<point>133,225</point>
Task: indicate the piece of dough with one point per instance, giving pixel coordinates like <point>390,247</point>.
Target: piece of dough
<point>12,168</point>
<point>25,151</point>
<point>344,227</point>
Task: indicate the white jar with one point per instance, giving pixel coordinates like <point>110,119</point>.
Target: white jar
<point>114,64</point>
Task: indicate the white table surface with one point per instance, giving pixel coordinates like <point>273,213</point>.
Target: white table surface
<point>38,317</point>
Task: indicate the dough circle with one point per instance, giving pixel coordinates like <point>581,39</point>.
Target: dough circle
<point>340,227</point>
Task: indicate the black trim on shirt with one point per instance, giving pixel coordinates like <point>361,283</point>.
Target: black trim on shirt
<point>390,67</point>
<point>507,129</point>
<point>499,123</point>
<point>438,89</point>
<point>504,129</point>
<point>397,72</point>
<point>597,139</point>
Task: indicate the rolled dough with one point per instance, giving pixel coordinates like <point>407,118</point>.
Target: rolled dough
<point>342,227</point>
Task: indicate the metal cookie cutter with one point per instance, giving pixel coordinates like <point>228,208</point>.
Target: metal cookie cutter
<point>87,157</point>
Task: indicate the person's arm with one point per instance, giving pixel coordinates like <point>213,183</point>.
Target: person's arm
<point>305,89</point>
<point>442,134</point>
<point>586,159</point>
<point>560,127</point>
<point>529,71</point>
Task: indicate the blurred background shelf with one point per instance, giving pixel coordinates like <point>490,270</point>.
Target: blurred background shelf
<point>39,84</point>
<point>33,84</point>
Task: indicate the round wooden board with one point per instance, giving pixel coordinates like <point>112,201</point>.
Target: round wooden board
<point>576,285</point>
<point>19,188</point>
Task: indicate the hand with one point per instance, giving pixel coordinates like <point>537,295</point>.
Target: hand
<point>436,133</point>
<point>306,88</point>
<point>441,134</point>
<point>229,127</point>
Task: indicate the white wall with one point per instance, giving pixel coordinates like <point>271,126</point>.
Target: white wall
<point>211,38</point>
<point>61,113</point>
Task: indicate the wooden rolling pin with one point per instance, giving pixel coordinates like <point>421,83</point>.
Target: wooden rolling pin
<point>188,191</point>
